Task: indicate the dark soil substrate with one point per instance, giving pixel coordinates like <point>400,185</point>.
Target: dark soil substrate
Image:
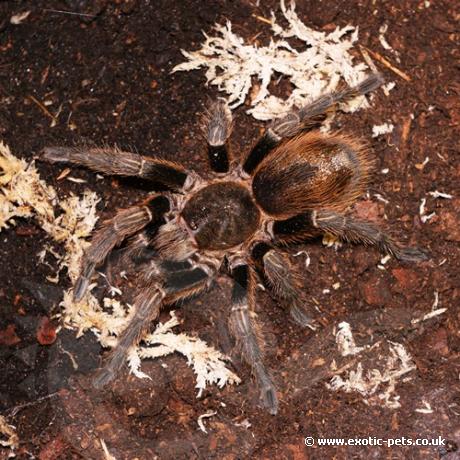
<point>106,72</point>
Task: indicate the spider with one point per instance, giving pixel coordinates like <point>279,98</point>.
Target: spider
<point>296,183</point>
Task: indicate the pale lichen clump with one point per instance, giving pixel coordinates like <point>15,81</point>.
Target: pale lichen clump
<point>8,436</point>
<point>377,380</point>
<point>205,361</point>
<point>379,130</point>
<point>314,70</point>
<point>25,195</point>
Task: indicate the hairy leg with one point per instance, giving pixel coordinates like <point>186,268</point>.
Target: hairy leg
<point>113,231</point>
<point>113,161</point>
<point>359,231</point>
<point>286,284</point>
<point>147,306</point>
<point>244,329</point>
<point>161,286</point>
<point>309,117</point>
<point>295,230</point>
<point>217,129</point>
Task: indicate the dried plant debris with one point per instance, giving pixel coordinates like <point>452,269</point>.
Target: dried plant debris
<point>8,437</point>
<point>317,68</point>
<point>24,194</point>
<point>345,341</point>
<point>208,363</point>
<point>379,130</point>
<point>378,370</point>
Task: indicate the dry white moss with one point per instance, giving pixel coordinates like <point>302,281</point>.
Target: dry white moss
<point>379,130</point>
<point>24,194</point>
<point>107,454</point>
<point>18,18</point>
<point>345,340</point>
<point>431,314</point>
<point>207,362</point>
<point>331,241</point>
<point>388,87</point>
<point>200,422</point>
<point>426,409</point>
<point>376,384</point>
<point>382,39</point>
<point>315,69</point>
<point>9,438</point>
<point>437,194</point>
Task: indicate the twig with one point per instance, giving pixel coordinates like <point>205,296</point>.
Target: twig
<point>43,109</point>
<point>69,12</point>
<point>14,410</point>
<point>262,19</point>
<point>387,63</point>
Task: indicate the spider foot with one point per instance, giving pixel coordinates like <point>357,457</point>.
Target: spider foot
<point>330,240</point>
<point>269,398</point>
<point>103,377</point>
<point>299,315</point>
<point>412,255</point>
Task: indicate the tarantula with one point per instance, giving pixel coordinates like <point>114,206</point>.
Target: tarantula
<point>296,183</point>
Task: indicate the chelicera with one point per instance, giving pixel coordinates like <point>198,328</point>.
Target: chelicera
<point>294,184</point>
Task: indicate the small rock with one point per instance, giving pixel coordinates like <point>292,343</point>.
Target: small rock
<point>449,225</point>
<point>46,332</point>
<point>8,336</point>
<point>128,6</point>
<point>363,259</point>
<point>367,210</point>
<point>438,342</point>
<point>407,281</point>
<point>181,379</point>
<point>375,291</point>
<point>53,449</point>
<point>290,450</point>
<point>143,397</point>
<point>27,230</point>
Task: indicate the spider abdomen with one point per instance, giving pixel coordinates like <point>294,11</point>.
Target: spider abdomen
<point>221,215</point>
<point>311,171</point>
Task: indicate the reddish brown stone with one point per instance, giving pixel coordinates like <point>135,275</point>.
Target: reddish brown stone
<point>27,230</point>
<point>8,336</point>
<point>46,332</point>
<point>367,210</point>
<point>449,225</point>
<point>53,450</point>
<point>375,291</point>
<point>142,397</point>
<point>407,281</point>
<point>437,341</point>
<point>364,258</point>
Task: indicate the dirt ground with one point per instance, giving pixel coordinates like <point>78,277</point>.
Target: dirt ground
<point>106,73</point>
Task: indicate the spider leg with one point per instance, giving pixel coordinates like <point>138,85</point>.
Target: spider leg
<point>113,161</point>
<point>113,231</point>
<point>147,307</point>
<point>161,286</point>
<point>217,130</point>
<point>138,250</point>
<point>360,231</point>
<point>244,329</point>
<point>295,229</point>
<point>285,281</point>
<point>307,118</point>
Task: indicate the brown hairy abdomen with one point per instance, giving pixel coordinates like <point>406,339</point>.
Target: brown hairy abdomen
<point>311,172</point>
<point>221,215</point>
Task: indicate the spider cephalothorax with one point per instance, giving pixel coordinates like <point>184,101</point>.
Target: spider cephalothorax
<point>294,184</point>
